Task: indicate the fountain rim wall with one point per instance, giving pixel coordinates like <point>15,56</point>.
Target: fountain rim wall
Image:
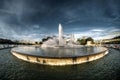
<point>59,61</point>
<point>62,56</point>
<point>57,57</point>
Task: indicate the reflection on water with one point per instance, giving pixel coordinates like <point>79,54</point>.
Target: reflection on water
<point>59,52</point>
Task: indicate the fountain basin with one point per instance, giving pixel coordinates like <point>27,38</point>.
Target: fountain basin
<point>59,56</point>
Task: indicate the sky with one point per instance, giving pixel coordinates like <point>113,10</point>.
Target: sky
<point>36,19</point>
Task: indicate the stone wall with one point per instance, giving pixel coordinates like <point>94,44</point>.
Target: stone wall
<point>59,61</point>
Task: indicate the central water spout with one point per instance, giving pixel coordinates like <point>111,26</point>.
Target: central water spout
<point>61,40</point>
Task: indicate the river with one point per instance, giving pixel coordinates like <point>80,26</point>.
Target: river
<point>106,68</point>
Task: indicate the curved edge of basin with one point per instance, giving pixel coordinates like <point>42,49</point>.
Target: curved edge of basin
<point>59,61</point>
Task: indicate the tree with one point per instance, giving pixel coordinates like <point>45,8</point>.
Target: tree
<point>84,41</point>
<point>36,42</point>
<point>40,43</point>
<point>90,39</point>
<point>45,39</point>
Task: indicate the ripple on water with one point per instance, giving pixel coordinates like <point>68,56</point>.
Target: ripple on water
<point>106,68</point>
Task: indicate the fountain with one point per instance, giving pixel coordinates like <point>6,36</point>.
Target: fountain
<point>58,42</point>
<point>56,51</point>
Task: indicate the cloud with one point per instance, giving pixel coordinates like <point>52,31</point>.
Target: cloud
<point>97,34</point>
<point>6,31</point>
<point>97,30</point>
<point>22,19</point>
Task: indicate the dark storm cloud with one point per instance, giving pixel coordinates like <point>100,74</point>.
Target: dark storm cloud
<point>34,19</point>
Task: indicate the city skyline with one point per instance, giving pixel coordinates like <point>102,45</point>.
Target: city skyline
<point>36,19</point>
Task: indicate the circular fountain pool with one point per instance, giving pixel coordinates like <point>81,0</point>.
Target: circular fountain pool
<point>59,56</point>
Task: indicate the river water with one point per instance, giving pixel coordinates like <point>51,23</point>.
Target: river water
<point>106,68</point>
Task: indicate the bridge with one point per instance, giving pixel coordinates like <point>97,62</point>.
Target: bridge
<point>110,40</point>
<point>107,41</point>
